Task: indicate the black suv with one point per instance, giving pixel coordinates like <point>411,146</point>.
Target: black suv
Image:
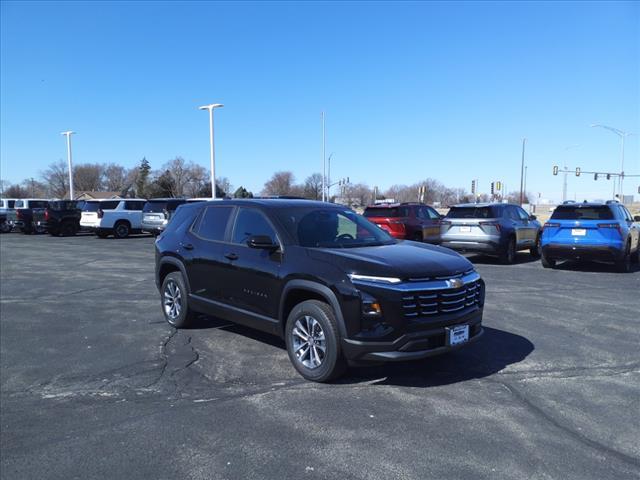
<point>336,287</point>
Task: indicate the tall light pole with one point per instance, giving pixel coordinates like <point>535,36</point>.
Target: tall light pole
<point>622,134</point>
<point>324,161</point>
<point>564,181</point>
<point>68,134</point>
<point>524,141</point>
<point>212,151</point>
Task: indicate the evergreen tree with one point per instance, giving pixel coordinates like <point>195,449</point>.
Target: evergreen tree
<point>143,178</point>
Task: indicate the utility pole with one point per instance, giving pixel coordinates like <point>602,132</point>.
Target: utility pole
<point>524,141</point>
<point>622,134</point>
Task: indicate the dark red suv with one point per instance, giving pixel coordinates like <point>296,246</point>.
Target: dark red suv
<point>410,221</point>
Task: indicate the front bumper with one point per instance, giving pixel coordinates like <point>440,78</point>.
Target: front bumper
<point>413,346</point>
<point>605,253</point>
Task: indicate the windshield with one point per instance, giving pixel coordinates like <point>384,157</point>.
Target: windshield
<point>577,212</point>
<point>471,212</point>
<point>331,228</point>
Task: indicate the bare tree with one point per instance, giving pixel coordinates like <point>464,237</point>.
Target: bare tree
<point>88,177</point>
<point>56,179</point>
<point>313,187</point>
<point>281,183</point>
<point>115,177</point>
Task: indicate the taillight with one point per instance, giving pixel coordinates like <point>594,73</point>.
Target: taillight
<point>611,225</point>
<point>46,214</point>
<point>397,225</point>
<point>491,224</point>
<point>18,214</point>
<point>100,213</point>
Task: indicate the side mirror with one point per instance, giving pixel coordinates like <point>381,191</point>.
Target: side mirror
<point>636,218</point>
<point>532,217</point>
<point>263,242</point>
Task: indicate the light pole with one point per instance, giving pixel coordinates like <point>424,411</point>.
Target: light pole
<point>324,161</point>
<point>68,134</point>
<point>622,134</point>
<point>212,151</point>
<point>524,141</point>
<point>564,182</point>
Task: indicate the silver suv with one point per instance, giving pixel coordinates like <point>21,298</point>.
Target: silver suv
<point>491,228</point>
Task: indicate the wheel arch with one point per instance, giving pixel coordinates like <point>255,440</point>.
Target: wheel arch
<point>297,291</point>
<point>168,265</point>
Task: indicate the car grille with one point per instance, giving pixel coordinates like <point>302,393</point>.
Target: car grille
<point>440,302</point>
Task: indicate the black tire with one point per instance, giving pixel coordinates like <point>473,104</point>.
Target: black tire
<point>636,258</point>
<point>547,262</point>
<point>5,227</point>
<point>54,233</point>
<point>26,230</point>
<point>508,255</point>
<point>624,264</point>
<point>536,250</point>
<point>121,229</point>
<point>183,315</point>
<point>68,229</point>
<point>332,364</point>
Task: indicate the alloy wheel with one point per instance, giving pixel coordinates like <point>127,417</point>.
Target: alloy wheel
<point>172,300</point>
<point>309,343</point>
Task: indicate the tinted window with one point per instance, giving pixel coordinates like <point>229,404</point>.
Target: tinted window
<point>130,205</point>
<point>428,213</point>
<point>95,206</point>
<point>578,212</point>
<point>38,203</point>
<point>331,228</point>
<point>523,215</point>
<point>251,222</point>
<point>213,223</point>
<point>11,203</point>
<point>155,206</point>
<point>471,212</point>
<point>381,212</point>
<point>62,205</point>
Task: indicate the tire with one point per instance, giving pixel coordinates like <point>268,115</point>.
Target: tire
<point>54,233</point>
<point>547,262</point>
<point>121,229</point>
<point>314,364</point>
<point>536,250</point>
<point>624,264</point>
<point>636,258</point>
<point>5,227</point>
<point>418,237</point>
<point>175,301</point>
<point>68,229</point>
<point>508,256</point>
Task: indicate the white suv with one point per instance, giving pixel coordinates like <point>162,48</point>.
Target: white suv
<point>113,217</point>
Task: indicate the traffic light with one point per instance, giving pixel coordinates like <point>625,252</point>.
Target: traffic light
<point>595,176</point>
<point>498,186</point>
<point>608,176</point>
<point>492,188</point>
<point>555,169</point>
<point>473,187</point>
<point>577,171</point>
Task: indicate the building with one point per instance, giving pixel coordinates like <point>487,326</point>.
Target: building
<point>98,195</point>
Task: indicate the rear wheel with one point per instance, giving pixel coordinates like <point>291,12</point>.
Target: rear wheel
<point>5,227</point>
<point>536,250</point>
<point>624,264</point>
<point>508,256</point>
<point>313,341</point>
<point>121,230</point>
<point>547,262</point>
<point>67,229</point>
<point>175,301</point>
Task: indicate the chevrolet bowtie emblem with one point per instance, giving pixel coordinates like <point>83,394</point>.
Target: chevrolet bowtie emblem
<point>455,283</point>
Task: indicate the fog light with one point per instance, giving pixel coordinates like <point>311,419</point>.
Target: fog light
<point>371,309</point>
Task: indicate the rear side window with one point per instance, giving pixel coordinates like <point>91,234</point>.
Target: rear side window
<point>213,223</point>
<point>382,212</point>
<point>577,212</point>
<point>38,204</point>
<point>18,204</point>
<point>428,213</point>
<point>95,206</point>
<point>132,205</point>
<point>62,205</point>
<point>471,212</point>
<point>251,222</point>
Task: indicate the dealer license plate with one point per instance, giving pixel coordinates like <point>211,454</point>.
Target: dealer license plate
<point>458,334</point>
<point>578,232</point>
<point>465,229</point>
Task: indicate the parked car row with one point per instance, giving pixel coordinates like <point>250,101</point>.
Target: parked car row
<point>576,231</point>
<point>117,217</point>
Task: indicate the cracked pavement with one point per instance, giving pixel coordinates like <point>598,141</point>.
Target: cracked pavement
<point>94,383</point>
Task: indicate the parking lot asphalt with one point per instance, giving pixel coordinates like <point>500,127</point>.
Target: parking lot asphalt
<point>95,384</point>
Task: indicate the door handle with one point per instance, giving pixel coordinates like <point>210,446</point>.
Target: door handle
<point>187,246</point>
<point>231,256</point>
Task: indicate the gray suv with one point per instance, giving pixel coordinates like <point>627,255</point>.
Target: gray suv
<point>498,229</point>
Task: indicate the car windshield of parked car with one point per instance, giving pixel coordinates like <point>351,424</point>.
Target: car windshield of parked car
<point>331,228</point>
<point>578,212</point>
<point>471,212</point>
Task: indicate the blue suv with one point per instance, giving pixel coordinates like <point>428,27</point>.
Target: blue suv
<point>591,231</point>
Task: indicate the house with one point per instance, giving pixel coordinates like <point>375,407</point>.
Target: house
<point>98,195</point>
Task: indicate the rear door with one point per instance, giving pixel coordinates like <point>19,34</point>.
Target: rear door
<point>430,220</point>
<point>204,246</point>
<point>252,275</point>
<point>133,212</point>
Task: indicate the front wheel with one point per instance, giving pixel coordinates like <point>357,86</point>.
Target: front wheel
<point>536,250</point>
<point>175,302</point>
<point>313,341</point>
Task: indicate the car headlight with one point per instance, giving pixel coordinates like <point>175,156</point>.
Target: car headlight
<point>354,277</point>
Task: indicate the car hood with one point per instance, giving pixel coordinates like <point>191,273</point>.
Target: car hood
<point>402,260</point>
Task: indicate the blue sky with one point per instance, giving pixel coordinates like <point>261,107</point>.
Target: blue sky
<point>410,90</point>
